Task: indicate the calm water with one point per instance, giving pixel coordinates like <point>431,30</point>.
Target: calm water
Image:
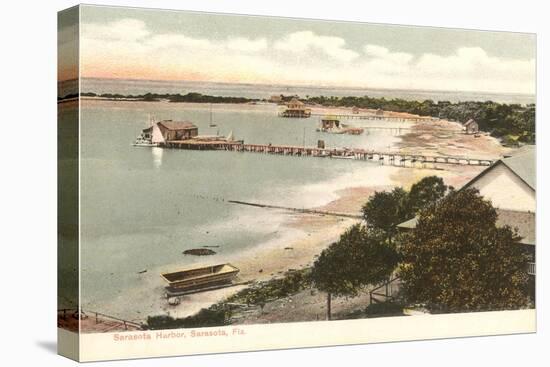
<point>142,207</point>
<point>264,91</point>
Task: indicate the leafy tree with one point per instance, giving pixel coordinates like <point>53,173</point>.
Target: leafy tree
<point>357,259</point>
<point>425,192</point>
<point>500,120</point>
<point>457,259</point>
<point>385,210</point>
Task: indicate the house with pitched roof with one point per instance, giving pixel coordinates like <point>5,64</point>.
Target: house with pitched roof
<point>510,185</point>
<point>296,108</point>
<point>167,130</point>
<point>471,127</point>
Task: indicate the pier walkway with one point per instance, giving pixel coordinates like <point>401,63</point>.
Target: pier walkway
<point>376,117</point>
<point>390,157</point>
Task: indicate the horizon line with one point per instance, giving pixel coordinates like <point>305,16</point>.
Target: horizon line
<point>302,85</point>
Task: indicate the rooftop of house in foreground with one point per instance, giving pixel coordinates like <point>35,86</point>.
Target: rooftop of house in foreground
<point>523,222</point>
<point>523,164</point>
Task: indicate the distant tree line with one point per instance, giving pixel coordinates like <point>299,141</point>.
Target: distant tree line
<point>189,97</point>
<point>512,122</point>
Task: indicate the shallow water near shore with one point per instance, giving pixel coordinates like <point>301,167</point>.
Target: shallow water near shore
<point>142,207</point>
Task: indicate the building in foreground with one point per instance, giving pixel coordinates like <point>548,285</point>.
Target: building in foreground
<point>510,184</point>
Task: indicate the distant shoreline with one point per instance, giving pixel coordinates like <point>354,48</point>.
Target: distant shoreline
<point>514,124</point>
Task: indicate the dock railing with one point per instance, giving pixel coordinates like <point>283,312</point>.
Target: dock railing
<point>389,286</point>
<point>98,316</point>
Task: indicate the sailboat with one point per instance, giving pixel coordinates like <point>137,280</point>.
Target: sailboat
<point>211,123</point>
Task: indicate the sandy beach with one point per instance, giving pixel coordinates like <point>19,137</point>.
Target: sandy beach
<point>300,237</point>
<point>304,236</point>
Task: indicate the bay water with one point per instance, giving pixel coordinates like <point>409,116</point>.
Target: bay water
<point>142,207</point>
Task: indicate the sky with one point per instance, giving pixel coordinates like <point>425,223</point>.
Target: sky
<point>175,45</point>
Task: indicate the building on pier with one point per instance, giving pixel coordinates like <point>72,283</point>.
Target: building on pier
<point>331,124</point>
<point>165,130</point>
<point>296,108</point>
<point>328,123</point>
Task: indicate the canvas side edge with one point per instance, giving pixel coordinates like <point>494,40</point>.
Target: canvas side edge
<point>68,338</point>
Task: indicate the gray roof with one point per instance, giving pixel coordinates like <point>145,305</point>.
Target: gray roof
<point>524,164</point>
<point>523,222</point>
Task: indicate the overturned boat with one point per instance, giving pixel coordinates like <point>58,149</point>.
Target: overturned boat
<point>199,279</point>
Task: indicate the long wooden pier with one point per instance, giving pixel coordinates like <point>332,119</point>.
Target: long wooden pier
<point>376,117</point>
<point>388,157</point>
<point>400,130</point>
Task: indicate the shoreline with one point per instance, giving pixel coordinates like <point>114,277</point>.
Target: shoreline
<point>304,235</point>
<point>260,264</point>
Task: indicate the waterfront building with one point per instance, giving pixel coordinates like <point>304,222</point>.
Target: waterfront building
<point>296,108</point>
<point>167,130</point>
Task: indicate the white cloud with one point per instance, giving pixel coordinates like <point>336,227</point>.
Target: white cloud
<point>126,48</point>
<point>376,51</point>
<point>123,30</point>
<point>306,41</point>
<point>246,45</point>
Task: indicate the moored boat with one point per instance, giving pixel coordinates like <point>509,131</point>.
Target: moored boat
<point>200,279</point>
<point>142,141</point>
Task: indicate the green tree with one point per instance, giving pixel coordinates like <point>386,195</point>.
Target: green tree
<point>385,210</point>
<point>425,192</point>
<point>357,259</point>
<point>457,259</point>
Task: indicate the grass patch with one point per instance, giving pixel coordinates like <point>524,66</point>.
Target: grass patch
<point>383,309</point>
<point>220,313</point>
<point>213,316</point>
<point>291,283</point>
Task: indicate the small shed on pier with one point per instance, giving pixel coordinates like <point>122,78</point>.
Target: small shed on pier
<point>329,122</point>
<point>172,130</point>
<point>296,108</point>
<point>295,104</point>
